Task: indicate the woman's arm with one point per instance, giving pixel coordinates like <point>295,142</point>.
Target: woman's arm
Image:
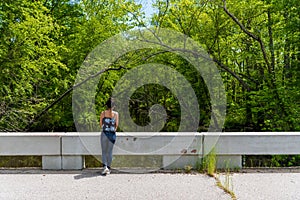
<point>117,120</point>
<point>101,119</point>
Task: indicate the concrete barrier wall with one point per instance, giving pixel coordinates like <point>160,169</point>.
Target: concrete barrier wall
<point>23,144</point>
<point>253,143</point>
<point>134,144</point>
<point>67,150</point>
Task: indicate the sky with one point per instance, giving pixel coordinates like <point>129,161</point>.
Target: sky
<point>147,8</point>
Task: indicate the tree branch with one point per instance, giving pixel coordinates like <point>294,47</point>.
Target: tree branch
<point>250,34</point>
<point>45,110</point>
<point>244,84</point>
<point>162,15</point>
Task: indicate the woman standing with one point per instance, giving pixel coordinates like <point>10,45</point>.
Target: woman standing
<point>109,121</point>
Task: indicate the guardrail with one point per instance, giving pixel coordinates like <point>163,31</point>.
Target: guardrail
<point>67,150</point>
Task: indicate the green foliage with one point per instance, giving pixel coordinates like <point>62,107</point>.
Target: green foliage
<point>44,43</point>
<point>285,160</point>
<point>272,161</point>
<point>209,163</point>
<point>20,161</point>
<point>31,66</point>
<point>271,102</point>
<point>188,169</point>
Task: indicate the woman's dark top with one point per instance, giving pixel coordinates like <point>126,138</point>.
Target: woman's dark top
<point>109,124</point>
<point>109,128</point>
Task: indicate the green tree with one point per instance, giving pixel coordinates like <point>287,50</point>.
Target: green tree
<point>43,44</point>
<point>30,62</point>
<point>247,39</point>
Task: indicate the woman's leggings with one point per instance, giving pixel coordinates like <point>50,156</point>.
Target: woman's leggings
<point>107,144</point>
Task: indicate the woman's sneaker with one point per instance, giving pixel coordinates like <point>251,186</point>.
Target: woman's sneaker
<point>105,171</point>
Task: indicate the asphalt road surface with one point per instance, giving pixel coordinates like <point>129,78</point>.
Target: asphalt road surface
<point>90,184</point>
<point>264,186</point>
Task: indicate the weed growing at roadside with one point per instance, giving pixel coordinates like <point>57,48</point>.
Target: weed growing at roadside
<point>208,163</point>
<point>188,168</point>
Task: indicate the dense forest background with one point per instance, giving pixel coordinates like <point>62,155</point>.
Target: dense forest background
<point>254,44</point>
